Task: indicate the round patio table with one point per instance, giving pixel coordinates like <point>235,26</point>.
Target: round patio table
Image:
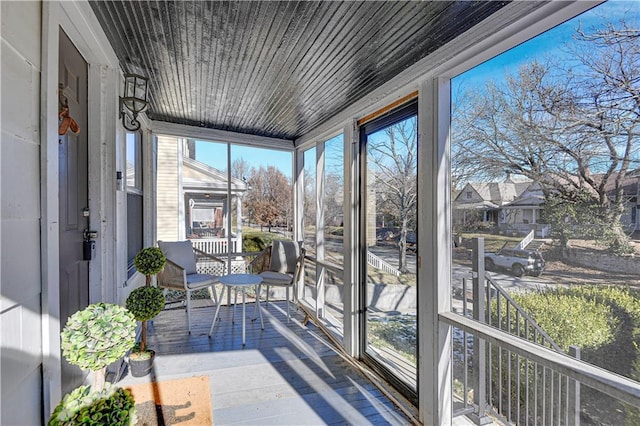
<point>242,282</point>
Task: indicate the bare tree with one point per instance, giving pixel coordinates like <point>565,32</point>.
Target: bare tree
<point>393,162</point>
<point>571,124</point>
<point>334,191</point>
<point>269,199</point>
<point>240,169</point>
<point>309,201</point>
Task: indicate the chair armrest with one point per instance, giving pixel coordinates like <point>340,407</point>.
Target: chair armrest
<point>172,276</point>
<point>260,263</point>
<point>299,265</point>
<point>207,255</point>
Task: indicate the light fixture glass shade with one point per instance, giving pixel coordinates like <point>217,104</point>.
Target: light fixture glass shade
<point>134,99</point>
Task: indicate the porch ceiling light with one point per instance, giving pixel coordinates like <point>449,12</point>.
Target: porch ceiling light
<point>134,100</point>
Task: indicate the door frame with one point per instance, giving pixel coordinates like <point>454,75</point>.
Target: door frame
<point>405,110</point>
<point>82,27</point>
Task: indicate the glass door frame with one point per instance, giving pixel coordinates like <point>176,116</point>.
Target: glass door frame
<point>402,112</point>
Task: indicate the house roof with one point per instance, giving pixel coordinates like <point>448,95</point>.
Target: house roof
<point>629,183</point>
<point>531,200</point>
<point>481,205</point>
<point>497,193</point>
<point>274,68</point>
<point>200,180</point>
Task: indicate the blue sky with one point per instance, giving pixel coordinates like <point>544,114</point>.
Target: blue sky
<point>550,42</point>
<point>215,155</point>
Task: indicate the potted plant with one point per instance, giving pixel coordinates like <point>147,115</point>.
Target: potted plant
<point>92,339</point>
<point>145,303</point>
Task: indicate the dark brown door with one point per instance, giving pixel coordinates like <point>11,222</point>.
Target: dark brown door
<point>73,194</point>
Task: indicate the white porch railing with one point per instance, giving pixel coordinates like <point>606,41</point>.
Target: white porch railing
<point>526,240</point>
<point>378,263</point>
<point>215,246</point>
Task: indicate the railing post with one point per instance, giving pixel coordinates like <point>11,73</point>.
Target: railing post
<point>573,390</point>
<point>479,351</point>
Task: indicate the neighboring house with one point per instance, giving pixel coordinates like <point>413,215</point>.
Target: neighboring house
<point>516,206</point>
<point>482,202</point>
<point>199,208</point>
<point>524,213</point>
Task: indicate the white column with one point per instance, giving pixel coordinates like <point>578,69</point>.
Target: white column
<point>239,223</point>
<point>434,253</point>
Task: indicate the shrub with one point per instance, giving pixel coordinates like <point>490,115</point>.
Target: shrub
<point>110,406</point>
<point>149,261</point>
<point>603,320</point>
<point>145,302</point>
<point>256,241</point>
<point>98,335</point>
<point>92,339</point>
<point>563,315</point>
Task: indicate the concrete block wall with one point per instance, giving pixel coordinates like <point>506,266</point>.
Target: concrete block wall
<point>602,262</point>
<point>20,283</point>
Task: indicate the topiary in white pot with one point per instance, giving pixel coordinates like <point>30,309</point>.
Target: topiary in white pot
<point>92,339</point>
<point>145,303</point>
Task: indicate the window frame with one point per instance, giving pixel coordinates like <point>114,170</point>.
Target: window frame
<point>136,191</point>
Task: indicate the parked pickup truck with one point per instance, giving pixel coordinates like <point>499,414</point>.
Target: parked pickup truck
<point>517,261</point>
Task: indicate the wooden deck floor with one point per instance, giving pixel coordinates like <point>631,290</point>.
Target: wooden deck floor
<point>286,374</point>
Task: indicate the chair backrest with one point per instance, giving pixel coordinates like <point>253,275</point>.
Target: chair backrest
<point>285,256</point>
<point>181,253</point>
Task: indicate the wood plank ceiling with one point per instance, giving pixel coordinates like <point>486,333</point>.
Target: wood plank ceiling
<point>274,68</point>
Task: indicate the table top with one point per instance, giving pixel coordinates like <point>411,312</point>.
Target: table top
<point>240,279</point>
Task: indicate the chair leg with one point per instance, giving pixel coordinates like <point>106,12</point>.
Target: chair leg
<point>235,302</point>
<point>214,293</point>
<point>257,302</point>
<point>189,310</point>
<point>288,315</point>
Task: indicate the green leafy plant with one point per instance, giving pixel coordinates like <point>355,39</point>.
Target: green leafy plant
<point>145,303</point>
<point>112,405</point>
<point>604,321</point>
<point>98,335</point>
<point>149,261</point>
<point>92,339</point>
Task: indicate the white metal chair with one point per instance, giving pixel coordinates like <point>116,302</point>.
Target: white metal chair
<point>180,271</point>
<point>279,265</point>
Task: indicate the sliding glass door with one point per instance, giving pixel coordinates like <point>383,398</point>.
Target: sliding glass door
<point>388,189</point>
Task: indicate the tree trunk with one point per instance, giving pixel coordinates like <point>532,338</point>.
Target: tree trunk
<point>143,337</point>
<point>99,379</point>
<point>402,247</point>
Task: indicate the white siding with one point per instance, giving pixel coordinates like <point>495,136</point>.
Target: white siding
<point>21,339</point>
<point>167,213</point>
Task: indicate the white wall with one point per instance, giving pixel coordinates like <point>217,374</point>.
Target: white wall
<point>29,327</point>
<point>168,195</point>
<point>20,287</point>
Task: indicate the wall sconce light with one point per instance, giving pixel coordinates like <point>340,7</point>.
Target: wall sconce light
<point>134,100</point>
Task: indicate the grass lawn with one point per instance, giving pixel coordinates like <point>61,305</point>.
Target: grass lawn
<point>491,242</point>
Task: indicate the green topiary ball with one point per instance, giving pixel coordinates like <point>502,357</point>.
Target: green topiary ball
<point>145,302</point>
<point>149,261</point>
<point>98,335</point>
<point>112,405</point>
